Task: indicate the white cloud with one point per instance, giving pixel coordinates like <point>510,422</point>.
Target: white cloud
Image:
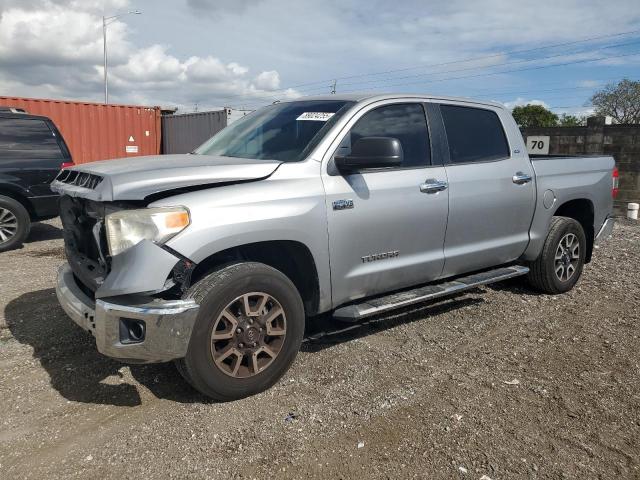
<point>558,110</point>
<point>244,51</point>
<point>54,48</point>
<point>213,7</point>
<point>518,102</point>
<point>237,69</point>
<point>151,64</point>
<point>589,83</point>
<point>268,80</point>
<point>53,37</point>
<point>576,111</point>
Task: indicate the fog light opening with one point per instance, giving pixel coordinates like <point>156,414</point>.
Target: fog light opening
<point>132,330</point>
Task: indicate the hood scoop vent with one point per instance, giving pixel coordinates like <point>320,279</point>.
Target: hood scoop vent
<point>79,179</point>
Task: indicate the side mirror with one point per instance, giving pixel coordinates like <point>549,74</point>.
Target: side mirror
<point>371,152</point>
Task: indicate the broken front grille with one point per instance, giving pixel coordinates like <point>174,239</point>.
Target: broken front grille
<point>79,179</point>
<point>82,222</point>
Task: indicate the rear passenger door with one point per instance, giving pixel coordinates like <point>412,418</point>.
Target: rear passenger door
<point>491,189</point>
<point>386,228</point>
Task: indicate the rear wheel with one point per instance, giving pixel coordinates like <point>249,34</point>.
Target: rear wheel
<point>248,331</point>
<point>559,265</point>
<point>15,223</point>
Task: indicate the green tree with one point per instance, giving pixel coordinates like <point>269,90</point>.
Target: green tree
<point>571,121</point>
<point>620,101</point>
<point>534,116</point>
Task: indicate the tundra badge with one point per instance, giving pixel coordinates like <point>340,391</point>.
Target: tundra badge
<point>380,256</point>
<point>342,204</point>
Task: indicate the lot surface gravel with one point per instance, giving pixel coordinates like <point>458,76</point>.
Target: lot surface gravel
<point>499,383</point>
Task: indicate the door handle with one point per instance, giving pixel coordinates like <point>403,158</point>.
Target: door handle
<point>432,185</point>
<point>521,178</point>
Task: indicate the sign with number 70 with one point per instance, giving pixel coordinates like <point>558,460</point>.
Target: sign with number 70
<point>538,145</point>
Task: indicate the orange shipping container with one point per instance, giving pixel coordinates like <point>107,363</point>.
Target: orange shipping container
<point>95,131</point>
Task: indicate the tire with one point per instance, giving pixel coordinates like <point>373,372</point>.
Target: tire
<point>15,223</point>
<point>263,352</point>
<point>554,275</point>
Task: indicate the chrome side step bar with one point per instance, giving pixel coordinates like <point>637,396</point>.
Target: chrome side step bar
<point>379,305</point>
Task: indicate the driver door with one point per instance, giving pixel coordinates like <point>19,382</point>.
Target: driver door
<point>385,231</point>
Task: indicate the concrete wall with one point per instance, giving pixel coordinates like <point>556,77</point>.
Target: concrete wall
<point>620,141</point>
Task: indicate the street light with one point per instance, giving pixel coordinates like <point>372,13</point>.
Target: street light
<point>106,21</point>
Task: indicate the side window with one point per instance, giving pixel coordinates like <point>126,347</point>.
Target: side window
<point>406,122</point>
<point>474,134</point>
<point>27,138</point>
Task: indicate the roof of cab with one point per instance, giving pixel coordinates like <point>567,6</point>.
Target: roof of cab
<point>372,97</point>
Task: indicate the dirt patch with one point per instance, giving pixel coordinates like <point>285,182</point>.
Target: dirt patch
<point>502,382</point>
<point>55,252</point>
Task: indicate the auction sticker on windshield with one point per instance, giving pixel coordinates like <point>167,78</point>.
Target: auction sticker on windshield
<point>317,116</point>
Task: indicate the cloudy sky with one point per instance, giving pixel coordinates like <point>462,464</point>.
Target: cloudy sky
<point>247,53</point>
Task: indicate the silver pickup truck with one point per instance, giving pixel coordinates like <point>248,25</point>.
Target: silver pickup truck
<point>351,204</point>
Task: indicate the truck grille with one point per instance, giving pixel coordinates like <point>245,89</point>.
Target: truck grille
<point>84,240</point>
<point>79,179</point>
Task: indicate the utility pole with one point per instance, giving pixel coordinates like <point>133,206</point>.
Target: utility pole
<point>106,21</point>
<point>333,87</point>
<point>104,48</point>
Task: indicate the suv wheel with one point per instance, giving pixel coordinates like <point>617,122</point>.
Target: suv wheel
<point>15,223</point>
<point>248,331</point>
<point>559,265</point>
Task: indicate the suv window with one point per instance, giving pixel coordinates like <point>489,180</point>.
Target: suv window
<point>474,134</point>
<point>406,122</point>
<point>27,138</point>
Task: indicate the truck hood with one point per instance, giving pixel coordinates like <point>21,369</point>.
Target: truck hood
<point>139,177</point>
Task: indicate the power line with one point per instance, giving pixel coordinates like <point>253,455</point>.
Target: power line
<point>539,67</point>
<point>547,84</point>
<point>495,65</point>
<point>533,92</point>
<point>571,106</point>
<point>481,67</point>
<point>471,59</point>
<point>470,94</point>
<point>270,95</point>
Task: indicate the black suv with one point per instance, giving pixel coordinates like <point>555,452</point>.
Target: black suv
<point>32,152</point>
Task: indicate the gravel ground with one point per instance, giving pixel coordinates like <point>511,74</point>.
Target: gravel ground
<point>500,383</point>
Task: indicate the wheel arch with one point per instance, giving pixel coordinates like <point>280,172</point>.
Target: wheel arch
<point>582,211</point>
<point>18,196</point>
<point>292,258</point>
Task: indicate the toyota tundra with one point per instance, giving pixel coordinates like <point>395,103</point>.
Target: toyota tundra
<point>352,204</point>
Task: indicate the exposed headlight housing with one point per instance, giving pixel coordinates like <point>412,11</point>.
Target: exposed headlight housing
<point>129,227</point>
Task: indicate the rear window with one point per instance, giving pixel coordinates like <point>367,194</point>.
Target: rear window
<point>27,138</point>
<point>474,134</point>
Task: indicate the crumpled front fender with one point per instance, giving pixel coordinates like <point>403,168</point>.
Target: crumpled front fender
<point>142,268</point>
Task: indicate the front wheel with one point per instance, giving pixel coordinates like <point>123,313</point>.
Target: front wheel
<point>559,265</point>
<point>249,329</point>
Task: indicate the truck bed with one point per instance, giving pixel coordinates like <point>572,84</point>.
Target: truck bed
<point>561,179</point>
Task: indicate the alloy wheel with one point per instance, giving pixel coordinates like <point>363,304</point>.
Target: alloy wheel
<point>248,334</point>
<point>8,225</point>
<point>567,257</point>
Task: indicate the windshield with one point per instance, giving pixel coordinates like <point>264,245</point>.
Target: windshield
<point>284,131</point>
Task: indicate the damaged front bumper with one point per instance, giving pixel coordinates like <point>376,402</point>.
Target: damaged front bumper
<point>131,328</point>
